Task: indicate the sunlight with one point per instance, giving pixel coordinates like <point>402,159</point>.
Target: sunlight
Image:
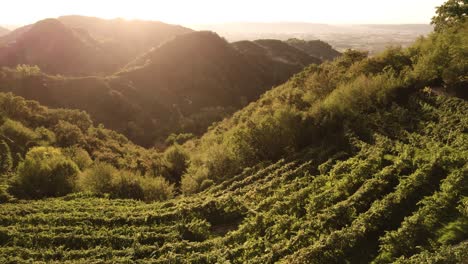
<point>211,11</point>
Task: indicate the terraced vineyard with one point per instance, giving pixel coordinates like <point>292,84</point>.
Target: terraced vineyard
<point>397,193</point>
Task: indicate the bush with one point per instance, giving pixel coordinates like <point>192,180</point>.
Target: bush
<point>45,172</point>
<point>18,133</point>
<point>6,161</point>
<point>177,162</point>
<point>103,178</point>
<point>156,188</point>
<point>192,181</point>
<point>127,185</point>
<point>98,178</point>
<point>79,156</point>
<point>179,139</point>
<point>68,134</point>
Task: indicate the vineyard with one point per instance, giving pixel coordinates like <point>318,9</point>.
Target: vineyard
<point>397,192</point>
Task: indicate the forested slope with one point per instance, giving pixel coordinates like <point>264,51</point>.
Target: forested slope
<point>181,86</point>
<point>82,46</point>
<point>396,192</point>
<point>358,160</point>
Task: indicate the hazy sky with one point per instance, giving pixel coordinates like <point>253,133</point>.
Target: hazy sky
<point>218,11</point>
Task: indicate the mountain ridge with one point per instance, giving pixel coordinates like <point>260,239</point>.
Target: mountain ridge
<point>107,54</point>
<point>181,86</point>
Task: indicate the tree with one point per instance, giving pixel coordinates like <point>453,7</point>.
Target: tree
<point>98,178</point>
<point>6,161</point>
<point>449,14</point>
<point>68,134</point>
<point>45,172</point>
<point>177,161</point>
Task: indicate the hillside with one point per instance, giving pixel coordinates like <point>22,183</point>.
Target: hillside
<point>78,46</point>
<point>128,38</point>
<point>182,86</point>
<point>57,49</point>
<point>374,38</point>
<point>394,191</point>
<point>315,48</point>
<point>356,160</point>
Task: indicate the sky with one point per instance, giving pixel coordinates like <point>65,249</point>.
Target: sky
<point>191,12</point>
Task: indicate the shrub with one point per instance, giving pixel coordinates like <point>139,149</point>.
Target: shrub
<point>18,133</point>
<point>177,162</point>
<point>45,172</point>
<point>156,188</point>
<point>6,161</point>
<point>191,181</point>
<point>173,139</point>
<point>79,156</point>
<point>68,134</point>
<point>45,137</point>
<point>127,185</point>
<point>97,178</point>
<point>24,70</point>
<point>102,178</point>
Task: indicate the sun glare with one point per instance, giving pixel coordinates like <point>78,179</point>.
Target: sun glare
<point>211,11</point>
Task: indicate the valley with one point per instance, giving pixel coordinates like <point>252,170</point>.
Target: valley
<point>136,141</point>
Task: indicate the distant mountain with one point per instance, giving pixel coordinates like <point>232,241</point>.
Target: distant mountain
<point>269,28</point>
<point>57,49</point>
<point>286,30</point>
<point>372,38</point>
<point>128,38</point>
<point>68,48</point>
<point>182,86</point>
<point>3,31</point>
<point>316,48</point>
<point>202,62</point>
<point>274,58</point>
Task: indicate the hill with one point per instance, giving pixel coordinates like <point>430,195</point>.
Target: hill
<point>57,49</point>
<point>315,48</point>
<point>81,46</point>
<point>182,86</point>
<point>128,38</point>
<point>393,190</point>
<point>373,38</point>
<point>357,160</point>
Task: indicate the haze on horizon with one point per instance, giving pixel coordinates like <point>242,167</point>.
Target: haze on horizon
<point>188,12</point>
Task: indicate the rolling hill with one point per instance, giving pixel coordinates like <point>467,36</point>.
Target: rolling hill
<point>315,48</point>
<point>356,160</point>
<point>78,46</point>
<point>334,165</point>
<point>181,86</point>
<point>57,50</point>
<point>128,38</point>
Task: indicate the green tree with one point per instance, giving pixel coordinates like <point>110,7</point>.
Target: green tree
<point>68,134</point>
<point>6,161</point>
<point>79,156</point>
<point>177,162</point>
<point>45,172</point>
<point>21,135</point>
<point>98,178</point>
<point>449,14</point>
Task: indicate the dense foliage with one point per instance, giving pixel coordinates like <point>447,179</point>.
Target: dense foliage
<point>358,160</point>
<point>396,194</point>
<point>179,87</point>
<point>48,152</point>
<point>317,106</point>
